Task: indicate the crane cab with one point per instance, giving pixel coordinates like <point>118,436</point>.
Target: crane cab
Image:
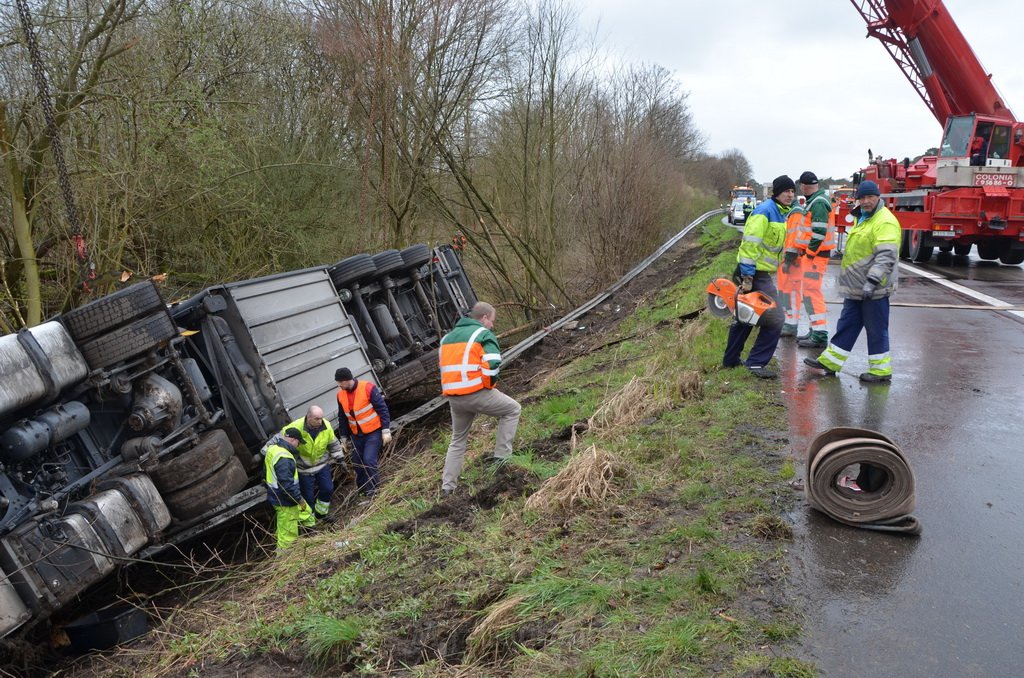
<point>979,150</point>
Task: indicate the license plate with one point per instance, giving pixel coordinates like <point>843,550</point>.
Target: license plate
<point>990,179</point>
<point>943,234</point>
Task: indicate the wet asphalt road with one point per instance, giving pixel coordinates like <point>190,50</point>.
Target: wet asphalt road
<point>951,602</point>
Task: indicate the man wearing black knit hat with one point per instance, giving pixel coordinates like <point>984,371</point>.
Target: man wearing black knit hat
<point>764,235</point>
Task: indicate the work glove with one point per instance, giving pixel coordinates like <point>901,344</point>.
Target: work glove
<point>746,284</point>
<point>868,291</point>
<point>386,435</point>
<point>789,260</point>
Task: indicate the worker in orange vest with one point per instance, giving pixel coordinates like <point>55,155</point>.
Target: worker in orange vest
<point>470,360</point>
<point>816,238</point>
<point>790,276</point>
<point>363,418</point>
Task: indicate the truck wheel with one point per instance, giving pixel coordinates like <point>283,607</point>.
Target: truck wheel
<point>112,310</point>
<point>416,256</point>
<point>1012,257</point>
<point>129,341</point>
<point>962,250</point>
<point>211,453</point>
<point>388,262</point>
<point>347,271</point>
<point>198,498</point>
<point>917,250</point>
<point>404,377</point>
<point>989,251</point>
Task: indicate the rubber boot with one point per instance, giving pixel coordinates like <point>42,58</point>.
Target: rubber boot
<point>788,330</point>
<point>814,340</point>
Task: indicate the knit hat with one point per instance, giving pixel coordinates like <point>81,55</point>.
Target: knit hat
<point>292,432</point>
<point>783,183</point>
<point>808,178</point>
<point>342,374</point>
<point>867,188</point>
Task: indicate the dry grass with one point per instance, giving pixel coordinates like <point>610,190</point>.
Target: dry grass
<point>483,641</point>
<point>588,477</point>
<point>689,385</point>
<point>630,405</point>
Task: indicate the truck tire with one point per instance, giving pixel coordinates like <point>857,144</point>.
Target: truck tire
<point>129,341</point>
<point>211,453</point>
<point>198,498</point>
<point>113,310</point>
<point>388,262</point>
<point>1012,257</point>
<point>404,377</point>
<point>347,271</point>
<point>415,256</point>
<point>989,251</point>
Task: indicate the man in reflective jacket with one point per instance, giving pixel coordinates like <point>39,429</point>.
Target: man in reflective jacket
<point>470,360</point>
<point>869,275</point>
<point>815,241</point>
<point>763,237</point>
<point>364,419</point>
<point>282,480</point>
<point>317,446</point>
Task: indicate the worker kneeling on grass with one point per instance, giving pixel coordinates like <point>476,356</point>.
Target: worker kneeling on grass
<point>868,277</point>
<point>282,479</point>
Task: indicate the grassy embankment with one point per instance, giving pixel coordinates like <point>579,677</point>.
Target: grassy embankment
<point>636,532</point>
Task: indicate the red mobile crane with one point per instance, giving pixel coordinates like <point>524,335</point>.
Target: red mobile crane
<point>972,192</point>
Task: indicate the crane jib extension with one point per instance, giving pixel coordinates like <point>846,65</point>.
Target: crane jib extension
<point>537,337</point>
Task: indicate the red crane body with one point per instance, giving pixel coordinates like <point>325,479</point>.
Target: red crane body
<point>972,192</point>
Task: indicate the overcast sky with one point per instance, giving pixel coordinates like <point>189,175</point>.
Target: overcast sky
<point>795,84</point>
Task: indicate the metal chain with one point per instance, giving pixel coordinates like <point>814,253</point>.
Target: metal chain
<point>87,269</point>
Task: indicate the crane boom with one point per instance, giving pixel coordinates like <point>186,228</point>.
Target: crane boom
<point>927,45</point>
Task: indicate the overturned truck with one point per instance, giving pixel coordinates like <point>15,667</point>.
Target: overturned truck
<point>128,425</point>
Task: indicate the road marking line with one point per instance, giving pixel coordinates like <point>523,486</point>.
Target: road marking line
<point>980,296</point>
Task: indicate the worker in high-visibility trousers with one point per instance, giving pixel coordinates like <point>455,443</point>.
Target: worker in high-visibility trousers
<point>470,362</point>
<point>364,419</point>
<point>282,480</point>
<point>869,275</point>
<point>816,238</point>
<point>317,449</point>
<point>790,274</point>
<point>764,237</point>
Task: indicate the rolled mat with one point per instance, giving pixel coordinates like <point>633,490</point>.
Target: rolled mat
<point>886,508</point>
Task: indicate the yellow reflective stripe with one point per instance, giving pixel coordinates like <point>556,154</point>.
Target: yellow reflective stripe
<point>752,238</point>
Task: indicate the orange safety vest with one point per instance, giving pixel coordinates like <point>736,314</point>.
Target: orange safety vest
<point>465,368</point>
<point>804,233</point>
<point>794,224</point>
<point>358,409</point>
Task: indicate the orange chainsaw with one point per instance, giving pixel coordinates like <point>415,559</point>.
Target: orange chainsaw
<point>725,301</point>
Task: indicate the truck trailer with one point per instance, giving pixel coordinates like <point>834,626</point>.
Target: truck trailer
<point>129,425</point>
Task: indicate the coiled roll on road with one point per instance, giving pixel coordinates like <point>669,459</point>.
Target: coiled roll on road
<point>885,504</point>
